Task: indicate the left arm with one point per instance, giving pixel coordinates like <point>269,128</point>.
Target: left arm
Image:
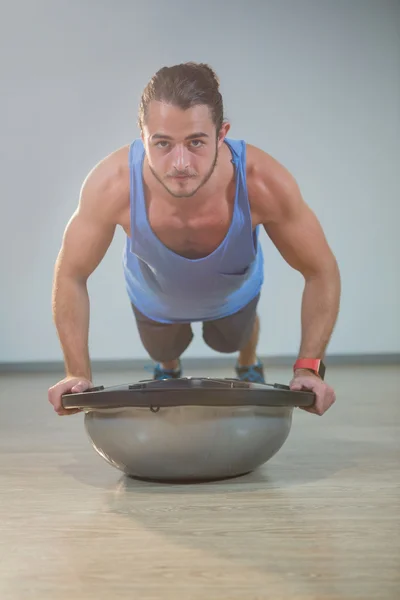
<point>298,236</point>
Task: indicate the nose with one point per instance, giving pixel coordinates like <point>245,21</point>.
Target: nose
<point>180,157</point>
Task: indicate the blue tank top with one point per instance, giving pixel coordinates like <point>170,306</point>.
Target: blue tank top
<point>169,288</point>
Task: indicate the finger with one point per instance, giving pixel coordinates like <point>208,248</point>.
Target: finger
<point>79,387</point>
<point>62,412</point>
<point>296,386</point>
<point>310,409</point>
<point>304,384</point>
<point>72,411</point>
<point>315,408</point>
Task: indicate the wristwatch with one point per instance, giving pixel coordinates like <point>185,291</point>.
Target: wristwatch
<point>312,364</point>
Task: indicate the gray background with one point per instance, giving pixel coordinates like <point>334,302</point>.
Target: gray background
<point>314,83</point>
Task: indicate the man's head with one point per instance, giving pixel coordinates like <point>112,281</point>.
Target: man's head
<point>182,125</point>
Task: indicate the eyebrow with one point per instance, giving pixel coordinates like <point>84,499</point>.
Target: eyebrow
<point>192,136</point>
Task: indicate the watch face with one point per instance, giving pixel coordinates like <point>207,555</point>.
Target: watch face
<point>322,370</point>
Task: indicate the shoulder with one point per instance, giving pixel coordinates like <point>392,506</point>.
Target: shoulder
<point>273,191</point>
<point>106,186</point>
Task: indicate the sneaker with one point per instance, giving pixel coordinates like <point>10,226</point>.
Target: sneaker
<point>160,373</point>
<point>252,373</point>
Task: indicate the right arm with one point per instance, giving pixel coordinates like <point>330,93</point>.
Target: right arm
<point>86,239</point>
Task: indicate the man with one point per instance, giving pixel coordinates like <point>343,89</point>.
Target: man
<point>191,201</point>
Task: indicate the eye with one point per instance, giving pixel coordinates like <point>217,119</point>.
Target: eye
<point>197,143</point>
<point>158,145</point>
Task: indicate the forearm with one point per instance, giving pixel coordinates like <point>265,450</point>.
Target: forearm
<point>319,312</point>
<point>70,301</point>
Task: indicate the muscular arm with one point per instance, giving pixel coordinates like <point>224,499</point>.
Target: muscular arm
<point>297,234</point>
<point>86,239</point>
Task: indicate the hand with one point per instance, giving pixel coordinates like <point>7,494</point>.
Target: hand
<point>325,396</point>
<point>66,386</point>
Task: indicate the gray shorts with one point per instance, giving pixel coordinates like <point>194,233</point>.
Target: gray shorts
<point>166,341</point>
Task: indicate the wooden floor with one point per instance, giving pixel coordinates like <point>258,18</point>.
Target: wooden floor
<point>320,521</point>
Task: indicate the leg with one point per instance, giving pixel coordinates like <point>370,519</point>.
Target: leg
<point>247,354</point>
<point>164,342</point>
<point>238,333</point>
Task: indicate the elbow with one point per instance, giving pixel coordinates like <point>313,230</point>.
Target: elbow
<point>326,270</point>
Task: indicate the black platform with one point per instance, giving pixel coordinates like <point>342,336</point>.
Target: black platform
<point>188,391</point>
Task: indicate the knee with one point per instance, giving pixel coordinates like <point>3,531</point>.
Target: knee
<point>219,342</point>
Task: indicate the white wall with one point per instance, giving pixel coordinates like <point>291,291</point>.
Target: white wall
<point>314,83</point>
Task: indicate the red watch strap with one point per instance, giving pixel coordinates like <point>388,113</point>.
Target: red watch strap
<point>307,363</point>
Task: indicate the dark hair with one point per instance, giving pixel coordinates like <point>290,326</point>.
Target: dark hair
<point>184,85</point>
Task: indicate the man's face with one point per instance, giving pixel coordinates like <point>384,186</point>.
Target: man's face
<point>181,147</point>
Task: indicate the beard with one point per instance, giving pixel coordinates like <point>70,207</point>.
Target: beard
<point>196,189</point>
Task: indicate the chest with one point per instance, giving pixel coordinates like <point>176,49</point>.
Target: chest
<point>191,237</point>
<point>194,236</point>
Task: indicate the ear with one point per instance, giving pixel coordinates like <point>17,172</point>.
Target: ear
<point>223,132</point>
